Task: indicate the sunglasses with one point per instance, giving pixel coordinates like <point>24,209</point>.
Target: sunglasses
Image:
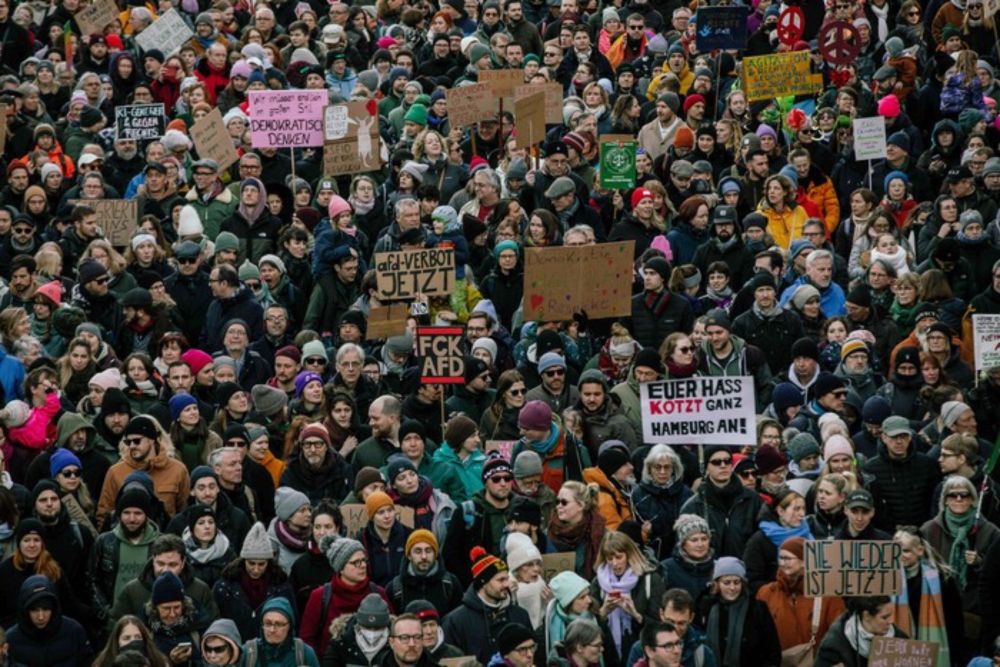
<point>320,361</point>
<point>133,442</point>
<point>685,350</point>
<point>502,479</point>
<point>187,260</point>
<point>555,372</point>
<point>102,281</point>
<point>747,474</point>
<point>958,495</point>
<point>70,473</point>
<point>516,392</point>
<point>720,462</point>
<point>217,648</point>
<point>562,501</point>
<point>236,443</point>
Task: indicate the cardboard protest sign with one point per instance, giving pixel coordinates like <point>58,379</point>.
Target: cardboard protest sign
<point>94,17</point>
<point>351,138</point>
<point>386,321</point>
<point>721,28</point>
<point>529,120</point>
<point>286,118</point>
<point>502,82</point>
<point>869,138</point>
<point>560,281</point>
<point>896,652</point>
<point>852,568</point>
<point>990,8</point>
<point>402,274</point>
<point>212,140</point>
<point>618,160</point>
<point>167,33</point>
<point>553,564</point>
<point>707,410</point>
<point>779,74</point>
<point>505,447</point>
<point>553,99</point>
<point>986,341</point>
<point>467,105</point>
<point>355,518</point>
<point>440,353</point>
<point>142,122</point>
<point>118,218</point>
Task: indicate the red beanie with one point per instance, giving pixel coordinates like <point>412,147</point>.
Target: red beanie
<point>691,100</point>
<point>196,359</point>
<point>684,137</point>
<point>639,194</point>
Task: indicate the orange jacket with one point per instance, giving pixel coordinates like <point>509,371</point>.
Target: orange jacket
<point>793,616</point>
<point>614,507</point>
<point>59,159</point>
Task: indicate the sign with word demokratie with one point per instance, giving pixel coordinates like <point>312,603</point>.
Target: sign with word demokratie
<point>167,33</point>
<point>700,410</point>
<point>852,568</point>
<point>986,341</point>
<point>351,139</point>
<point>118,218</point>
<point>440,352</point>
<point>560,281</point>
<point>287,118</point>
<point>721,28</point>
<point>897,652</point>
<point>142,122</point>
<point>212,140</point>
<point>779,74</point>
<point>402,274</point>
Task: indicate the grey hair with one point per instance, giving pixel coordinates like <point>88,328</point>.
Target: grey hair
<point>390,405</point>
<point>347,348</point>
<point>215,457</point>
<point>491,176</point>
<point>406,202</point>
<point>957,483</point>
<point>581,632</point>
<point>658,454</point>
<point>24,345</point>
<point>817,255</point>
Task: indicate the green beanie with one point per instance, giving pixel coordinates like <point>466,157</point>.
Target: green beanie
<point>248,271</point>
<point>477,52</point>
<point>532,58</point>
<point>417,114</point>
<point>226,241</point>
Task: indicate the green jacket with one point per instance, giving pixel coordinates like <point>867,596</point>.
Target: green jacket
<point>373,452</point>
<point>213,212</point>
<point>469,471</point>
<point>628,393</point>
<point>443,478</point>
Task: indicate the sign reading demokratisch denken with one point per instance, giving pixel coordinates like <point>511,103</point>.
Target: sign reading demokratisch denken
<point>700,410</point>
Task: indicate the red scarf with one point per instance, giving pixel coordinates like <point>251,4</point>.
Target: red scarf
<point>346,598</point>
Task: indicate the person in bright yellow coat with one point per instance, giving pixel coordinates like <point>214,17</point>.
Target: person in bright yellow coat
<point>785,218</point>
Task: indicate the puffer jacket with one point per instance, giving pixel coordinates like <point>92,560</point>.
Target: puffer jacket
<point>61,643</point>
<point>612,503</point>
<point>384,558</point>
<point>661,505</point>
<point>649,329</point>
<point>785,226</point>
<point>627,394</point>
<point>902,488</point>
<point>608,423</point>
<point>773,335</point>
<point>233,602</point>
<point>732,527</point>
<point>819,188</point>
<point>474,628</point>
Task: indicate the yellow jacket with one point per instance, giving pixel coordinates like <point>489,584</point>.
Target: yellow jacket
<point>785,226</point>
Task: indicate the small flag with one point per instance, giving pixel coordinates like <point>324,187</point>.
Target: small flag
<point>68,44</point>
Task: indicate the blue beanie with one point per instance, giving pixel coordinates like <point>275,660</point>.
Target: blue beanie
<point>180,401</point>
<point>892,175</point>
<point>62,458</point>
<point>256,76</point>
<point>788,171</point>
<point>167,588</point>
<point>876,410</point>
<point>786,395</point>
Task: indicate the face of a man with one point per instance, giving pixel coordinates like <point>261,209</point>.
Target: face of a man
<point>820,271</point>
<point>205,491</point>
<point>407,642</point>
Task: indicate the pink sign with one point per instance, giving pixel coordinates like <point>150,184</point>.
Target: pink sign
<point>287,118</point>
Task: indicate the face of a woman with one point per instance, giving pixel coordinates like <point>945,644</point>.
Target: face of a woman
<point>828,498</point>
<point>536,228</point>
<point>432,144</point>
<point>130,633</point>
<point>31,546</point>
<point>683,353</point>
<point>514,397</point>
<point>879,622</point>
<point>949,210</point>
<point>582,603</point>
<point>593,98</point>
<point>313,392</point>
<point>897,189</point>
<point>789,564</point>
<point>930,373</point>
<point>859,207</point>
<point>342,414</point>
<point>258,448</point>
<point>407,482</point>
<point>775,193</point>
<point>700,220</point>
<point>568,508</point>
<point>718,281</point>
<point>385,516</point>
<point>738,105</point>
<point>238,403</point>
<point>792,514</point>
<point>959,501</point>
<point>79,357</point>
<point>730,587</point>
<point>204,529</point>
<point>696,546</point>
<point>836,332</point>
<point>911,553</point>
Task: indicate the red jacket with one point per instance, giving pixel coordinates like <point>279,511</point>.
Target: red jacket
<point>214,79</point>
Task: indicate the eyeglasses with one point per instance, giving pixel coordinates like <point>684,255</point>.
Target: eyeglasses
<point>275,625</point>
<point>133,442</point>
<point>279,318</point>
<point>313,444</point>
<point>840,393</point>
<point>70,472</point>
<point>662,467</point>
<point>236,443</point>
<point>215,648</point>
<point>720,462</point>
<point>318,361</point>
<point>685,350</point>
<point>103,280</point>
<point>501,479</point>
<point>358,562</point>
<point>554,372</point>
<point>253,285</point>
<point>408,639</point>
<point>525,650</point>
<point>747,474</point>
<point>958,495</point>
<point>551,54</point>
<point>671,646</point>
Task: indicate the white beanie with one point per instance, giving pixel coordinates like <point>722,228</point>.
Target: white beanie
<point>189,224</point>
<point>175,139</point>
<point>233,114</point>
<point>15,413</point>
<point>109,379</point>
<point>274,261</point>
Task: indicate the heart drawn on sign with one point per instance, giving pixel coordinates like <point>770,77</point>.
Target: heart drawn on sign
<point>536,300</point>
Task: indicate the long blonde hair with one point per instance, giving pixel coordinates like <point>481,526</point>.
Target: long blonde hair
<point>615,542</point>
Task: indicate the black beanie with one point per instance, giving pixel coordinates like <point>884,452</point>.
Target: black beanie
<point>611,459</point>
<point>660,265</point>
<point>762,279</point>
<point>860,296</point>
<point>133,496</point>
<point>114,403</point>
<point>805,347</point>
<point>650,358</point>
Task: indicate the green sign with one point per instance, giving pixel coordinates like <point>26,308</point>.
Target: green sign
<point>618,162</point>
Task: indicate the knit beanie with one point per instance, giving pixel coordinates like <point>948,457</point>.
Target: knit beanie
<point>687,525</point>
<point>802,294</point>
<point>837,444</point>
<point>178,402</point>
<point>611,460</point>
<point>339,550</point>
<point>63,458</point>
<point>267,400</point>
<point>167,588</point>
<point>796,546</point>
<point>257,545</point>
<point>684,137</point>
<point>513,635</point>
<point>729,566</point>
<point>367,475</point>
<point>193,513</point>
<point>495,464</point>
<point>109,379</point>
<point>420,535</point>
<point>377,501</point>
<point>226,391</point>
<point>459,429</point>
<point>315,430</point>
<point>951,411</point>
<point>196,359</point>
<point>15,413</point>
<point>484,567</point>
<point>648,357</point>
<point>802,446</point>
<point>769,458</point>
<point>288,501</point>
<point>521,554</point>
<point>876,410</point>
<point>566,587</point>
<point>373,613</point>
<point>535,415</point>
<point>786,395</point>
<point>527,464</point>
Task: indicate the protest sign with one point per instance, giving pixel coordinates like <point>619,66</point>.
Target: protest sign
<point>351,136</point>
<point>118,218</point>
<point>402,274</point>
<point>355,518</point>
<point>839,43</point>
<point>212,141</point>
<point>94,17</point>
<point>560,281</point>
<point>896,652</point>
<point>553,564</point>
<point>142,122</point>
<point>779,74</point>
<point>618,160</point>
<point>553,99</point>
<point>502,82</point>
<point>869,138</point>
<point>707,410</point>
<point>990,8</point>
<point>529,120</point>
<point>852,568</point>
<point>504,447</point>
<point>167,33</point>
<point>440,353</point>
<point>386,321</point>
<point>791,25</point>
<point>986,341</point>
<point>467,105</point>
<point>461,661</point>
<point>721,28</point>
<point>286,118</point>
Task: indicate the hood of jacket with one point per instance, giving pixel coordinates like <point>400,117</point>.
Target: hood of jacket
<point>70,423</point>
<point>282,606</point>
<point>35,589</point>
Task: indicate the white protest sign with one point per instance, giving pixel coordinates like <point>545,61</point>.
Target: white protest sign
<point>986,341</point>
<point>869,138</point>
<point>700,410</point>
<point>167,33</point>
<point>336,122</point>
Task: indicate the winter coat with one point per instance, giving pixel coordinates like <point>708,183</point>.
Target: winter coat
<point>281,655</point>
<point>104,564</point>
<point>213,212</point>
<point>384,558</point>
<point>732,527</point>
<point>170,479</point>
<point>737,256</point>
<point>684,242</point>
<point>475,523</point>
<point>470,470</point>
<point>473,627</point>
<point>231,520</point>
<point>241,305</point>
<point>256,239</point>
<point>650,329</point>
<point>629,228</point>
<point>439,587</point>
<point>759,645</point>
<point>607,423</point>
<point>792,613</point>
<point>902,487</point>
<point>233,602</point>
<point>470,404</point>
<point>680,572</point>
<point>981,540</point>
<point>193,297</point>
<point>785,226</point>
<point>835,649</point>
<point>139,591</point>
<point>773,335</point>
<point>661,505</point>
<point>61,643</point>
<point>331,481</point>
<point>613,505</point>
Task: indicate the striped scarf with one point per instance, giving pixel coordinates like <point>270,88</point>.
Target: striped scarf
<point>930,626</point>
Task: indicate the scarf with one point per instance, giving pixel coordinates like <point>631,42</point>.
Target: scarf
<point>881,20</point>
<point>544,447</point>
<point>965,240</point>
<point>217,549</point>
<point>289,539</point>
<point>371,641</point>
<point>568,213</point>
<point>346,598</point>
<point>586,534</point>
<point>768,314</point>
<point>903,315</point>
<point>735,618</point>
<point>679,371</point>
<point>930,626</point>
<point>618,620</point>
<point>362,207</point>
<point>719,295</point>
<point>777,533</point>
<point>960,526</point>
<point>418,498</point>
<point>859,638</point>
<point>897,260</point>
<point>723,246</point>
<point>255,589</point>
<point>657,301</point>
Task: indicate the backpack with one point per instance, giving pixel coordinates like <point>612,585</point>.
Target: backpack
<point>250,653</point>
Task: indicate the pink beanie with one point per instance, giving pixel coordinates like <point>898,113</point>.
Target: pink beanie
<point>196,359</point>
<point>337,206</point>
<point>888,106</point>
<point>837,444</point>
<point>661,243</point>
<point>109,379</point>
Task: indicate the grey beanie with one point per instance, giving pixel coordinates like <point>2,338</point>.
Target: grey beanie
<point>801,446</point>
<point>970,217</point>
<point>88,327</point>
<point>373,612</point>
<point>257,545</point>
<point>687,525</point>
<point>518,170</point>
<point>802,294</point>
<point>526,464</point>
<point>287,502</point>
<point>729,566</point>
<point>339,550</point>
<point>268,400</point>
<point>592,376</point>
<point>369,79</point>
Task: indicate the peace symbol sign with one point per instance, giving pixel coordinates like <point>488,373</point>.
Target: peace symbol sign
<point>839,43</point>
<point>791,25</point>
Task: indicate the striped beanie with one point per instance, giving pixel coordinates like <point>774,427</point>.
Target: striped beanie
<point>484,566</point>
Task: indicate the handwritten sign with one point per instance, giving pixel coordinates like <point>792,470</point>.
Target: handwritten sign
<point>351,138</point>
<point>94,17</point>
<point>402,274</point>
<point>142,122</point>
<point>618,160</point>
<point>529,120</point>
<point>286,118</point>
<point>212,140</point>
<point>167,33</point>
<point>355,518</point>
<point>386,321</point>
<point>852,568</point>
<point>440,353</point>
<point>553,99</point>
<point>553,564</point>
<point>721,28</point>
<point>467,105</point>
<point>505,447</point>
<point>708,410</point>
<point>869,138</point>
<point>118,218</point>
<point>560,281</point>
<point>896,652</point>
<point>986,341</point>
<point>779,74</point>
<point>502,82</point>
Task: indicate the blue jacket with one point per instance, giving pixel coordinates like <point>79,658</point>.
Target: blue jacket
<point>469,471</point>
<point>831,300</point>
<point>11,376</point>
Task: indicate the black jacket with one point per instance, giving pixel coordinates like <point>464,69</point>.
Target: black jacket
<point>737,256</point>
<point>233,601</point>
<point>473,627</point>
<point>193,297</point>
<point>835,649</point>
<point>309,572</point>
<point>242,305</point>
<point>902,488</point>
<point>774,336</point>
<point>731,513</point>
<point>650,329</point>
<point>231,520</point>
<point>759,645</point>
<point>61,643</point>
<point>331,481</point>
<point>440,587</point>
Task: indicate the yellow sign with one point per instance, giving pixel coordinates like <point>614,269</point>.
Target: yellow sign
<point>779,75</point>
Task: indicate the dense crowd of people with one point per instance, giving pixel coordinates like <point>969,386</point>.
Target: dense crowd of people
<point>205,458</point>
